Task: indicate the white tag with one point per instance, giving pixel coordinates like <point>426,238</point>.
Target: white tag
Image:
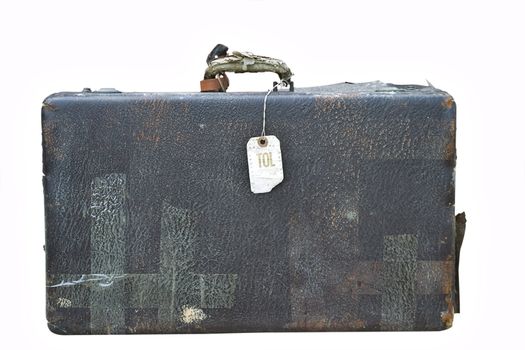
<point>265,163</point>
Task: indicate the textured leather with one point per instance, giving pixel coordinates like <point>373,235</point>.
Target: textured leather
<point>151,226</point>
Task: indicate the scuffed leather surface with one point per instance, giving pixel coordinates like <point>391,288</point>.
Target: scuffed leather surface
<point>151,226</point>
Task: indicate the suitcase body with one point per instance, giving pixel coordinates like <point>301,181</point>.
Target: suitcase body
<point>151,226</point>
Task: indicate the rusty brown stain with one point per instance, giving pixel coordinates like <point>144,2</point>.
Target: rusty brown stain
<point>142,136</point>
<point>47,133</point>
<point>335,218</point>
<point>449,275</point>
<point>364,279</point>
<point>48,106</point>
<point>447,317</point>
<point>310,323</point>
<point>357,324</point>
<point>326,104</point>
<point>48,136</point>
<point>320,323</point>
<point>181,137</point>
<point>450,148</point>
<point>151,126</point>
<point>184,108</point>
<point>448,102</point>
<point>158,112</point>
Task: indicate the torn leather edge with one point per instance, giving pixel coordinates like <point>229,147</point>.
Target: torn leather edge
<point>461,222</point>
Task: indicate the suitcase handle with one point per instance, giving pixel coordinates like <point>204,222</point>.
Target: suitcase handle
<point>219,62</point>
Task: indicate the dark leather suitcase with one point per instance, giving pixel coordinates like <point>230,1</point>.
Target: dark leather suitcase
<point>152,227</point>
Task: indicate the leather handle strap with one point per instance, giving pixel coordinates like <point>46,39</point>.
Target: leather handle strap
<point>219,62</point>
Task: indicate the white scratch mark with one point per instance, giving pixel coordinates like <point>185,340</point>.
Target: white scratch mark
<point>102,279</point>
<point>352,215</point>
<point>191,314</point>
<point>63,302</point>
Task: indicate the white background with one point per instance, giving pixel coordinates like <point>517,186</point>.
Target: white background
<point>473,50</point>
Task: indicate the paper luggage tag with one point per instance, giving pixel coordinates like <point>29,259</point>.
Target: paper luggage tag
<point>265,164</point>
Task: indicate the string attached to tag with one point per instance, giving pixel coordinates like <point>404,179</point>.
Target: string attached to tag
<point>263,133</point>
<point>265,165</point>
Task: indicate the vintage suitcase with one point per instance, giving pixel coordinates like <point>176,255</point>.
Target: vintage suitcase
<point>152,227</point>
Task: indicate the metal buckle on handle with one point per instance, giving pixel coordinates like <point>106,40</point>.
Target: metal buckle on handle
<point>218,84</point>
<point>221,82</point>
